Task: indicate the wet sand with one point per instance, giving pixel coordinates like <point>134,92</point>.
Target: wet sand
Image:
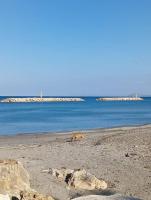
<point>120,156</point>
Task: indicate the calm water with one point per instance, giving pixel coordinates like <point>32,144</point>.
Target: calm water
<point>66,116</point>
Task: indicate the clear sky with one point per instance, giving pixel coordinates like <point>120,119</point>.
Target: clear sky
<point>75,47</point>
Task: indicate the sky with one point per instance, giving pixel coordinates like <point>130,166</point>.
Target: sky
<point>75,47</point>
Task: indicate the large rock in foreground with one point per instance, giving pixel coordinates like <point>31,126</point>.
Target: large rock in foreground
<point>13,177</point>
<point>14,182</point>
<point>33,195</point>
<point>79,179</point>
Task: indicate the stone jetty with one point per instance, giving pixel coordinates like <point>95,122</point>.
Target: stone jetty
<point>44,99</point>
<point>120,99</point>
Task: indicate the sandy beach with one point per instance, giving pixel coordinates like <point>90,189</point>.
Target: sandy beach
<point>120,156</point>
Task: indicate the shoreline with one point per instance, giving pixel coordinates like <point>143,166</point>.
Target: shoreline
<point>70,132</point>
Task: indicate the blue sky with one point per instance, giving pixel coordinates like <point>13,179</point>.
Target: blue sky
<point>75,47</point>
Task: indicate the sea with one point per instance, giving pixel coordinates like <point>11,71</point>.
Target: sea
<point>19,118</point>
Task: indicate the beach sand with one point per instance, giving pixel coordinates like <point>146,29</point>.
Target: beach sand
<point>120,156</point>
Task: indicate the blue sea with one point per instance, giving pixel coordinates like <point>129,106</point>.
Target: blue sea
<point>16,118</point>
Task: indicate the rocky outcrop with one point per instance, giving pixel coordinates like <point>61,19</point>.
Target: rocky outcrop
<point>13,177</point>
<point>36,99</point>
<point>33,195</point>
<point>14,182</point>
<point>79,179</point>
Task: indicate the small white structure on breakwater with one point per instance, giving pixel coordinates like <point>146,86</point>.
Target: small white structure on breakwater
<point>43,99</point>
<point>120,99</point>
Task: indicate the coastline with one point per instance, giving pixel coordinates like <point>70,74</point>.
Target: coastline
<point>102,153</point>
<point>70,132</point>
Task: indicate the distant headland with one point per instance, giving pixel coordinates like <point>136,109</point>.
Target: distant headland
<point>40,99</point>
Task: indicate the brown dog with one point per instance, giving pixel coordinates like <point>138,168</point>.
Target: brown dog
<point>77,137</point>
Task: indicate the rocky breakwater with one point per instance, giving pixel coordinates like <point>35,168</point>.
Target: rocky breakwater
<point>120,99</point>
<point>36,99</point>
<point>15,184</point>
